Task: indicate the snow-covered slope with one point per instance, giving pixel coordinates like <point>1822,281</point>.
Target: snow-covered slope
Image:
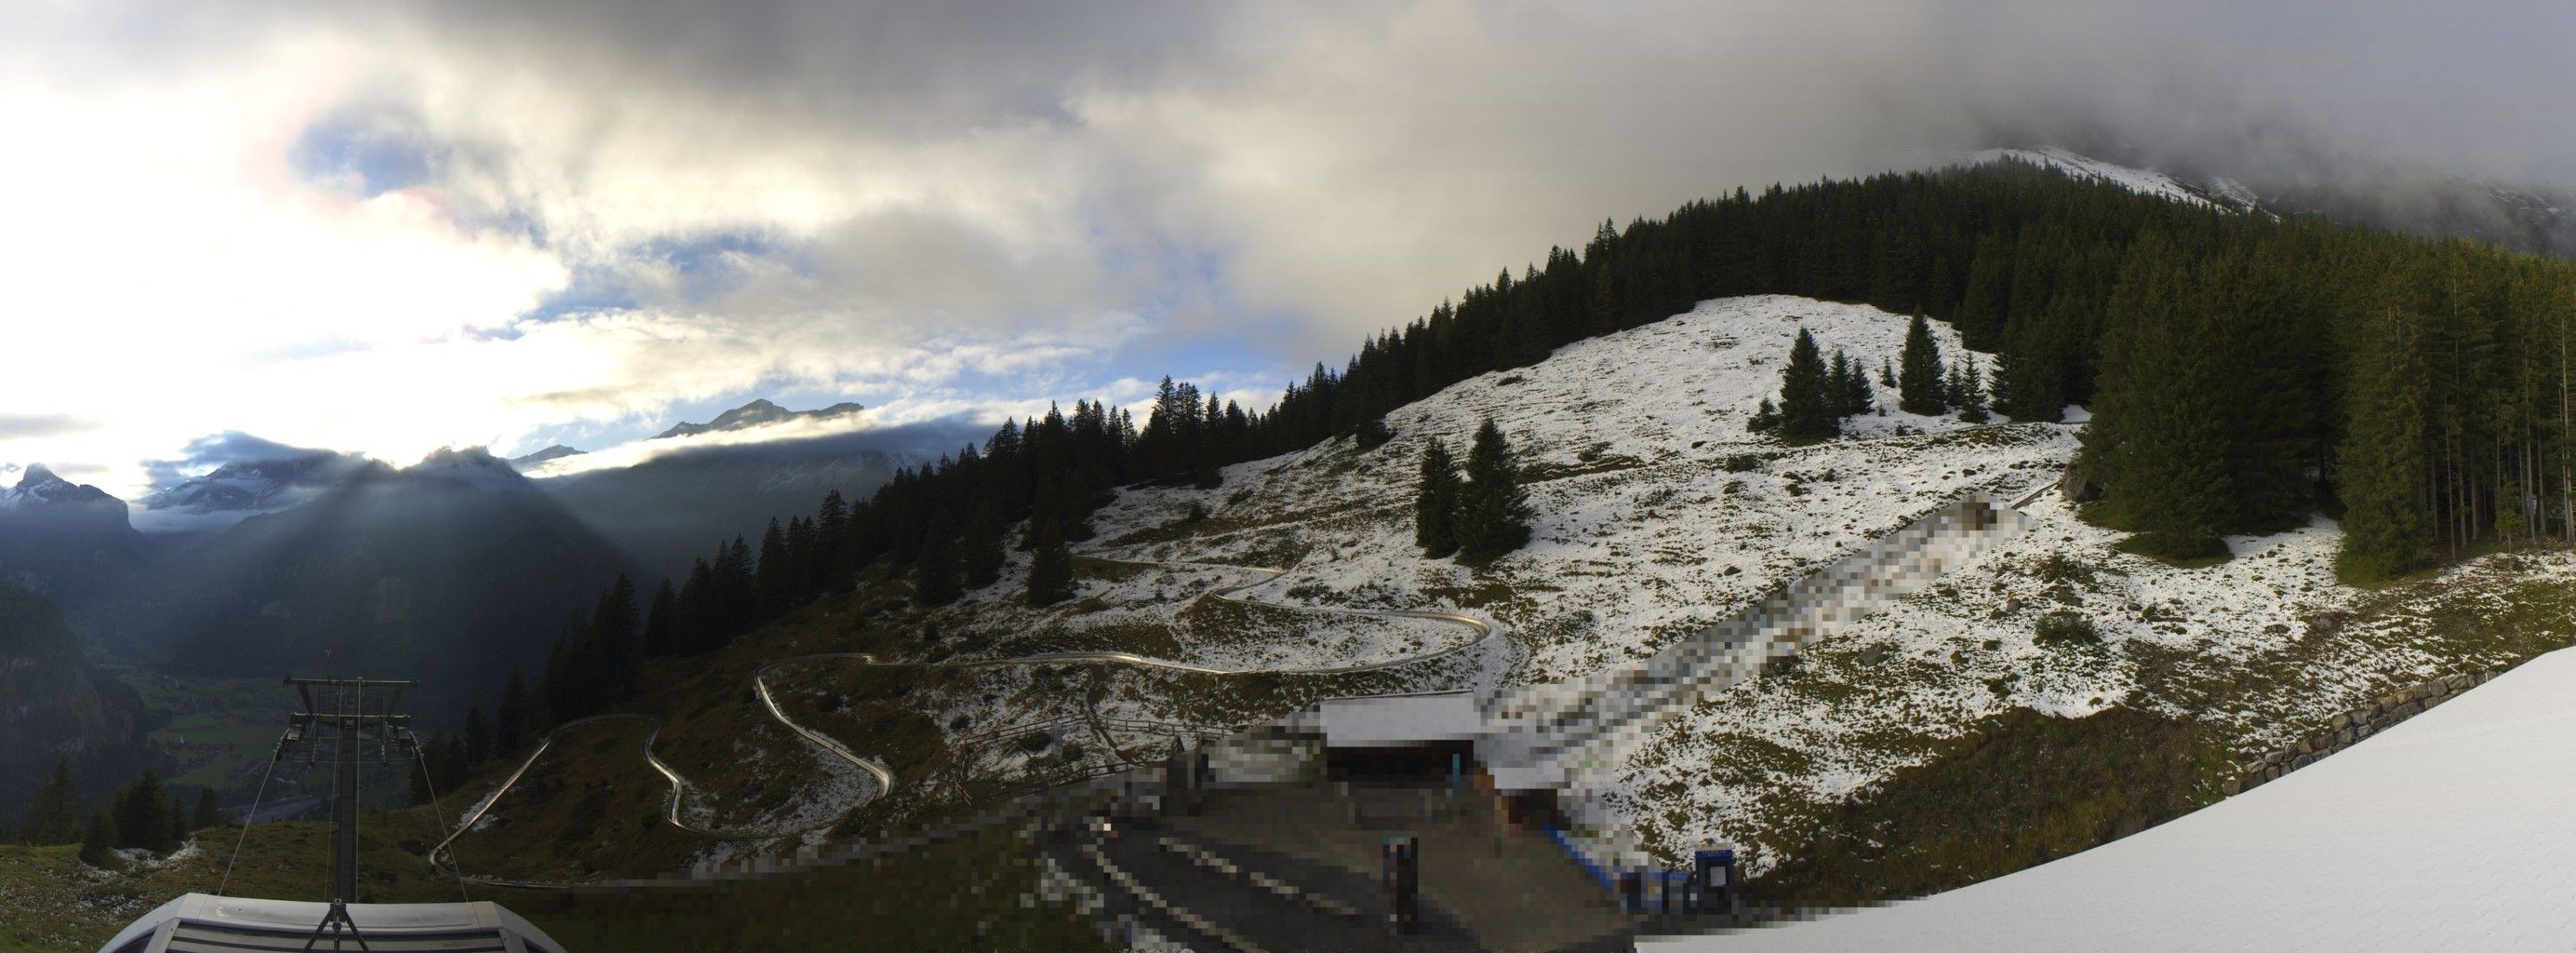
<point>2145,181</point>
<point>1658,515</point>
<point>2447,832</point>
<point>1657,512</point>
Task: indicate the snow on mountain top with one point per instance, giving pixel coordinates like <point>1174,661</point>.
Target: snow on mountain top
<point>38,484</point>
<point>531,461</point>
<point>474,467</point>
<point>2144,181</point>
<point>2447,831</point>
<point>760,412</point>
<point>256,486</point>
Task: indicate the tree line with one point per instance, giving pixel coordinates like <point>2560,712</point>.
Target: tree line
<point>2242,371</point>
<point>144,814</point>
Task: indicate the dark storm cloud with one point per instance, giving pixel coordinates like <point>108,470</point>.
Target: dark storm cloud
<point>931,65</point>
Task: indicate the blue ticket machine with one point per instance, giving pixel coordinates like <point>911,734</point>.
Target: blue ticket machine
<point>1714,872</point>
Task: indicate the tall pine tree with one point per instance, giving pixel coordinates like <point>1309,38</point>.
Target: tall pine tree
<point>2386,526</point>
<point>980,548</point>
<point>1919,376</point>
<point>53,813</point>
<point>1435,502</point>
<point>206,814</point>
<point>938,573</point>
<point>98,840</point>
<point>1807,394</point>
<point>2158,439</point>
<point>1493,511</point>
<point>1051,569</point>
<point>1970,395</point>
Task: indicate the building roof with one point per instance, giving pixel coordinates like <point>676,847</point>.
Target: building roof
<point>204,923</point>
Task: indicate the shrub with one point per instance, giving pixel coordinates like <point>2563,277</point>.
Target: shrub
<point>2175,545</point>
<point>1743,463</point>
<point>2058,568</point>
<point>2065,628</point>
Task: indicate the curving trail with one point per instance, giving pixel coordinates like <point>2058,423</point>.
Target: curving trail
<point>884,778</point>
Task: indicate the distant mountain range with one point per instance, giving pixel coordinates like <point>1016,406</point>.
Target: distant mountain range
<point>663,511</point>
<point>2417,201</point>
<point>542,457</point>
<point>758,413</point>
<point>61,539</point>
<point>675,507</point>
<point>456,571</point>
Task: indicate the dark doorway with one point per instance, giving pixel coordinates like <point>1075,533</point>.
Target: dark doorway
<point>1431,762</point>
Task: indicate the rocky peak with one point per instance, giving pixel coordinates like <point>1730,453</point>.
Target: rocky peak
<point>760,412</point>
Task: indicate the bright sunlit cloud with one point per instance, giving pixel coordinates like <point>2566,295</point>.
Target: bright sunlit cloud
<point>388,227</point>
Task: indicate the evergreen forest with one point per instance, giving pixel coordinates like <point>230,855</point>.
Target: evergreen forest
<point>2243,371</point>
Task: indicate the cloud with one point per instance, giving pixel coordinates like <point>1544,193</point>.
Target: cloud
<point>393,226</point>
<point>40,425</point>
<point>914,434</point>
<point>215,450</point>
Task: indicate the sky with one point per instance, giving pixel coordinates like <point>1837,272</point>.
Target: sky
<point>392,227</point>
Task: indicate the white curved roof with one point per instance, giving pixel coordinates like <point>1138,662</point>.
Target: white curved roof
<point>204,923</point>
<point>2449,831</point>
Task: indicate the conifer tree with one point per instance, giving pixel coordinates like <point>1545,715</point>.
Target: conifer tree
<point>512,721</point>
<point>832,541</point>
<point>1765,419</point>
<point>1970,396</point>
<point>2159,439</point>
<point>1919,378</point>
<point>1051,569</point>
<point>661,622</point>
<point>142,814</point>
<point>53,813</point>
<point>98,840</point>
<point>1838,375</point>
<point>2387,529</point>
<point>1435,502</point>
<point>1852,395</point>
<point>178,815</point>
<point>206,815</point>
<point>1983,307</point>
<point>938,572</point>
<point>980,549</point>
<point>478,737</point>
<point>2027,378</point>
<point>1886,373</point>
<point>612,632</point>
<point>1493,511</point>
<point>1806,394</point>
<point>776,578</point>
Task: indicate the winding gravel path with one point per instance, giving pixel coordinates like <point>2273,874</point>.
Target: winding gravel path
<point>884,778</point>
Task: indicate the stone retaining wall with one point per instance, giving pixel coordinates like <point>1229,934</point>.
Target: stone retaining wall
<point>2343,730</point>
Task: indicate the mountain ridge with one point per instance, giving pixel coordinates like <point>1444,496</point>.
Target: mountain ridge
<point>760,412</point>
